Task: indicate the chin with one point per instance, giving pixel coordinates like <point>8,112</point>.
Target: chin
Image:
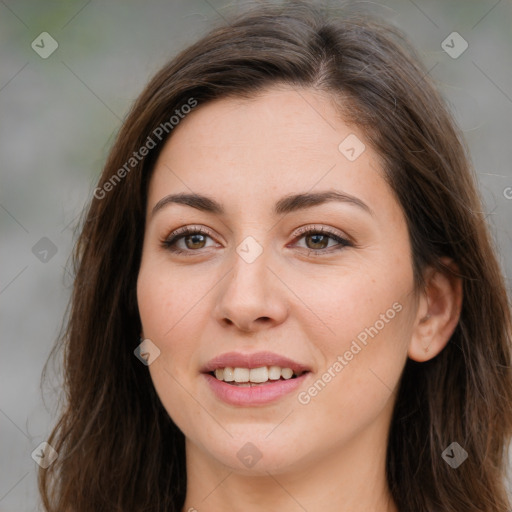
<point>256,456</point>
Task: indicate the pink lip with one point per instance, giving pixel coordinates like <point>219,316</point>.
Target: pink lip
<point>254,395</point>
<point>260,394</point>
<point>255,360</point>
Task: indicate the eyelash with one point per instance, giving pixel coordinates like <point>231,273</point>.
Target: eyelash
<point>170,242</point>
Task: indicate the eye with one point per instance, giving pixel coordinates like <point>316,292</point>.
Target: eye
<point>194,238</point>
<point>317,240</point>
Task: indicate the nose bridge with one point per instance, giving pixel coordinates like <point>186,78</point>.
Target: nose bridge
<point>248,278</point>
<point>248,293</point>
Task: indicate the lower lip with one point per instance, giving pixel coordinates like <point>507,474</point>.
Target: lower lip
<point>254,395</point>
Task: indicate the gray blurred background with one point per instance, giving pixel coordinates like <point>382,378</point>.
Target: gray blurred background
<point>61,111</point>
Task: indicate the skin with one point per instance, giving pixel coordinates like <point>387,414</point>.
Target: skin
<point>328,454</point>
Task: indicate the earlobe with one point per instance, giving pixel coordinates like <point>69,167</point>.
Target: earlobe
<point>438,313</point>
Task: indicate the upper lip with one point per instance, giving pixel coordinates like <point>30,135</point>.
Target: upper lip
<point>254,360</point>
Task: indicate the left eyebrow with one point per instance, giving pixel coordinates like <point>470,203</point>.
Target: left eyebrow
<point>285,205</point>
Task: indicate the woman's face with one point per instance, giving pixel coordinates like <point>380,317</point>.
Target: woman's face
<point>254,290</point>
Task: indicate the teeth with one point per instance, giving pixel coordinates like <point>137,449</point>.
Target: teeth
<point>286,373</point>
<point>242,374</point>
<point>274,373</point>
<point>258,374</point>
<point>229,375</point>
<point>254,375</point>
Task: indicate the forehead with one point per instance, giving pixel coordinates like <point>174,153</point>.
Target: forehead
<point>283,140</point>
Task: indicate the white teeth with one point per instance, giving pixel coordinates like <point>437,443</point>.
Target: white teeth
<point>228,374</point>
<point>274,373</point>
<point>258,374</point>
<point>253,375</point>
<point>286,373</point>
<point>242,374</point>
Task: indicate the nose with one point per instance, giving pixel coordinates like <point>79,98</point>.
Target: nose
<point>251,297</point>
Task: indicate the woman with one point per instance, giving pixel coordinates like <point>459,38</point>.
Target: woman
<point>286,296</point>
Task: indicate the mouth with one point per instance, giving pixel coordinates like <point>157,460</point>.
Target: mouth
<point>253,379</point>
<point>250,377</point>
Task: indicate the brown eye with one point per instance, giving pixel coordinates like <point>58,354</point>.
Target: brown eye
<point>191,240</point>
<point>318,241</point>
<point>197,241</point>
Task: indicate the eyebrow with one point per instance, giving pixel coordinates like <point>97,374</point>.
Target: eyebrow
<point>287,204</point>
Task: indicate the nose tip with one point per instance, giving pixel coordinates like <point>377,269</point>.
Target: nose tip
<point>249,298</point>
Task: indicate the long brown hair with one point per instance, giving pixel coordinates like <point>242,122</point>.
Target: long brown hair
<point>118,449</point>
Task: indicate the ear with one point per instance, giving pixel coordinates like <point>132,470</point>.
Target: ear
<point>438,313</point>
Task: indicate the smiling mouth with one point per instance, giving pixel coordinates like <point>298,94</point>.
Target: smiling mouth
<point>245,377</point>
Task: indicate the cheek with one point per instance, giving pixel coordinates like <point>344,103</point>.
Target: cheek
<point>367,320</point>
<point>167,308</point>
<point>165,302</point>
<point>357,302</point>
<point>362,370</point>
<point>172,313</point>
